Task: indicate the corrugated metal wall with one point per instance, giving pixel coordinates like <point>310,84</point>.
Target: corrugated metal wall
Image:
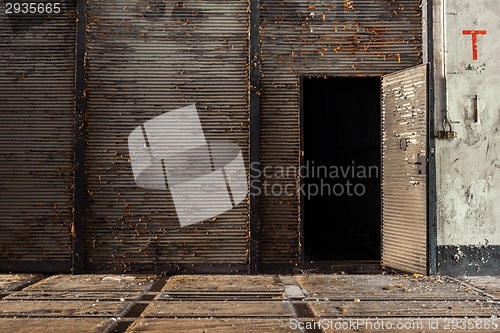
<point>404,188</point>
<point>146,58</point>
<point>361,37</point>
<point>37,75</point>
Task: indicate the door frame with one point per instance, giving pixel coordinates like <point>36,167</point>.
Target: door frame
<point>429,57</point>
<point>369,266</point>
<point>348,266</point>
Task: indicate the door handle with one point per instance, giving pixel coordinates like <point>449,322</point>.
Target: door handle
<point>421,164</point>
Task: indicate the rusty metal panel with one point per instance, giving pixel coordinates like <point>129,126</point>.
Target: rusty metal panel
<point>146,59</point>
<point>37,75</point>
<point>404,166</point>
<point>317,38</point>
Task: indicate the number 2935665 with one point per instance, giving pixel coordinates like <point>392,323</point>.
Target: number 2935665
<point>32,8</point>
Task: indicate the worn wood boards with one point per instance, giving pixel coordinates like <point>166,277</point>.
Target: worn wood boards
<point>384,287</point>
<point>211,325</point>
<point>55,325</point>
<point>240,283</point>
<point>235,304</point>
<point>222,309</point>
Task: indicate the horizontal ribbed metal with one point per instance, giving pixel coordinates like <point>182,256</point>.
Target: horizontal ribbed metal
<point>318,38</point>
<point>404,190</point>
<point>37,75</point>
<point>147,58</point>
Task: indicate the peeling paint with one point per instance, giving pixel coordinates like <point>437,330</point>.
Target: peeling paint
<point>468,188</point>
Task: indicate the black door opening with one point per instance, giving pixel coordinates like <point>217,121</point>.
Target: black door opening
<point>341,168</point>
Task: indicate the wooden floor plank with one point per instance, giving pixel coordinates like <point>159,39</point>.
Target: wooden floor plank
<point>219,309</point>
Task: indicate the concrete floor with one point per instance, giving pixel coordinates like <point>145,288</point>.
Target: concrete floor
<point>237,303</point>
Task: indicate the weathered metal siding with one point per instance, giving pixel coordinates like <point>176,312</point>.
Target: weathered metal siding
<point>37,75</point>
<point>366,38</point>
<point>404,154</point>
<point>144,59</point>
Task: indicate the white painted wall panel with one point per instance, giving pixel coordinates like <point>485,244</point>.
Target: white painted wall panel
<point>468,167</point>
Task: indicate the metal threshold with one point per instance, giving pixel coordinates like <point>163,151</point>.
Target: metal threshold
<point>348,267</point>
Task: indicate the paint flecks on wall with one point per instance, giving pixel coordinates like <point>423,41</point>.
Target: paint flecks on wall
<point>468,185</point>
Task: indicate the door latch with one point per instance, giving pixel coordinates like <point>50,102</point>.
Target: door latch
<point>421,164</point>
<point>447,132</point>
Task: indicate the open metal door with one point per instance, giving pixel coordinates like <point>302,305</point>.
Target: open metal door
<point>404,170</point>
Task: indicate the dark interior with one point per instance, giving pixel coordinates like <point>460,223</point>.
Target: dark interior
<point>341,133</point>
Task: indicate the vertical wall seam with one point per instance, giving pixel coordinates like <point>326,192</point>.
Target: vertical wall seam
<point>431,180</point>
<point>80,137</point>
<point>254,101</point>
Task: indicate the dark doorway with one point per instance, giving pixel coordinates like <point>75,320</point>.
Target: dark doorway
<point>341,168</point>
